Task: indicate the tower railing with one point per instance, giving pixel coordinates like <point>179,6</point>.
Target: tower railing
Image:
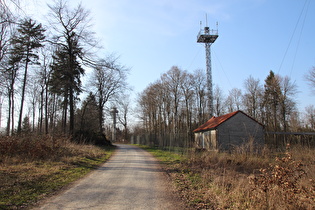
<point>207,36</point>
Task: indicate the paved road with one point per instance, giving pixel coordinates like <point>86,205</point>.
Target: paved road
<point>131,179</point>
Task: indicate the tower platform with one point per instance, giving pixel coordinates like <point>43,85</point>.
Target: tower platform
<point>207,36</point>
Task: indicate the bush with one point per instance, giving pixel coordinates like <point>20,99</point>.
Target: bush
<point>242,180</point>
<point>284,184</point>
<point>30,147</point>
<point>91,137</point>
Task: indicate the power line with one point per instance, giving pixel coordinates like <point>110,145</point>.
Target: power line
<point>286,51</point>
<point>227,78</point>
<point>193,60</point>
<point>298,44</point>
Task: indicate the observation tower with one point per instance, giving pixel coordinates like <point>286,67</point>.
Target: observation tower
<point>208,37</point>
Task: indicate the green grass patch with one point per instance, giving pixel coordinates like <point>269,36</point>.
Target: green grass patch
<point>165,157</point>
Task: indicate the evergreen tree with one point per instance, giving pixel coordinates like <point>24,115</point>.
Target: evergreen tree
<point>87,116</point>
<point>29,37</point>
<point>26,125</point>
<point>271,102</point>
<point>65,79</point>
<point>87,129</point>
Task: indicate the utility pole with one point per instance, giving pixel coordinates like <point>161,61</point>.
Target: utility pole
<point>114,112</point>
<point>208,37</point>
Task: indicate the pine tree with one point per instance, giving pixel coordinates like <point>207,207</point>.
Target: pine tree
<point>29,38</point>
<point>65,79</point>
<point>272,97</point>
<point>87,116</point>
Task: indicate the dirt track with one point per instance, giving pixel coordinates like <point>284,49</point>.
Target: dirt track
<point>131,179</point>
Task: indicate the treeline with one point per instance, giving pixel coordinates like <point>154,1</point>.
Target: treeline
<point>175,104</point>
<point>41,70</point>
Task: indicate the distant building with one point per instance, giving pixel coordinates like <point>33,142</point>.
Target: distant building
<point>227,131</point>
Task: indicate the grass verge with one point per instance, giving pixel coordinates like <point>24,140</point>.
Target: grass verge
<point>210,180</point>
<point>26,179</point>
<point>165,157</point>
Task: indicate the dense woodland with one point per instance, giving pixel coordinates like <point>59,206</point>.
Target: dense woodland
<point>41,90</point>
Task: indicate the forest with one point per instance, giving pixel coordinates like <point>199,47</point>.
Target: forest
<point>42,68</point>
<point>52,81</point>
<point>176,104</point>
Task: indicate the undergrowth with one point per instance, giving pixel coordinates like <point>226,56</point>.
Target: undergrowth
<point>242,180</point>
<point>33,167</point>
<point>286,180</point>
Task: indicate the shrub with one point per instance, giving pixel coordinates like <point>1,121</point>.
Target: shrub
<point>280,185</point>
<point>91,137</point>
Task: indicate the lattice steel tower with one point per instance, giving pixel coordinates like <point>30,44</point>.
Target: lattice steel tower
<point>208,37</point>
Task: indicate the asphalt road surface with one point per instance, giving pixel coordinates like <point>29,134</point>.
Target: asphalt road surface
<point>131,179</point>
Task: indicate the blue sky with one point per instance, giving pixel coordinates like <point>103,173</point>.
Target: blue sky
<point>255,36</point>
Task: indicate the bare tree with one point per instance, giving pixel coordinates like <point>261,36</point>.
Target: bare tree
<point>5,31</point>
<point>310,116</point>
<point>252,96</point>
<point>124,110</point>
<point>287,102</point>
<point>187,88</point>
<point>295,121</point>
<point>172,105</point>
<point>234,100</point>
<point>43,76</point>
<point>34,93</point>
<point>218,101</point>
<point>9,75</point>
<point>172,80</point>
<point>7,20</point>
<point>200,93</point>
<point>310,77</point>
<point>237,98</point>
<point>108,81</point>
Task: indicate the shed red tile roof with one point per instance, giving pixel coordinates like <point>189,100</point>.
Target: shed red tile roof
<point>214,122</point>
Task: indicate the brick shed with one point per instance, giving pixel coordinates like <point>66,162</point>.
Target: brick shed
<point>227,131</point>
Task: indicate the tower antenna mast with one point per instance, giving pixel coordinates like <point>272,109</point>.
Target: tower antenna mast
<point>208,37</point>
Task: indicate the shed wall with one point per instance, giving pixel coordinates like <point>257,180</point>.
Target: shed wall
<point>207,139</point>
<point>238,130</point>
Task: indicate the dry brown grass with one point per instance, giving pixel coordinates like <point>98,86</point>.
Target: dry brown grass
<point>32,167</point>
<point>265,180</point>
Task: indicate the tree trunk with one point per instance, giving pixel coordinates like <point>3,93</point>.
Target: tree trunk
<point>19,129</point>
<point>12,112</point>
<point>71,110</point>
<point>41,107</point>
<point>100,118</point>
<point>9,114</point>
<point>46,109</point>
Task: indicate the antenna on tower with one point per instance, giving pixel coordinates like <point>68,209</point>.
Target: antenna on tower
<point>206,19</point>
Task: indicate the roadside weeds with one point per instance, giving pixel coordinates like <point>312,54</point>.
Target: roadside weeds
<point>27,178</point>
<point>210,180</point>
